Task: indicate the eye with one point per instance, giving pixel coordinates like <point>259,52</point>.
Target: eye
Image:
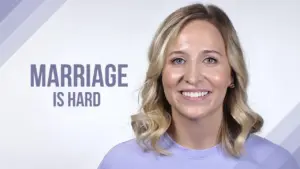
<point>210,60</point>
<point>178,61</point>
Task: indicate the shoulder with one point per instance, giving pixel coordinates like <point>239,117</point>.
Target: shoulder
<point>126,153</point>
<point>268,154</point>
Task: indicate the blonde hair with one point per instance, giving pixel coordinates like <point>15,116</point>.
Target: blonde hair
<point>154,119</point>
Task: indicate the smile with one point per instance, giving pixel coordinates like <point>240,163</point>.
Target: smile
<point>195,95</point>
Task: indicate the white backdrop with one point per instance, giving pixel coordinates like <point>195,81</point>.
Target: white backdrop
<point>36,135</point>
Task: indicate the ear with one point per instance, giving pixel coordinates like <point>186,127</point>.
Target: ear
<point>231,81</point>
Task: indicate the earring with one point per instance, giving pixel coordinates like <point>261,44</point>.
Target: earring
<point>232,85</point>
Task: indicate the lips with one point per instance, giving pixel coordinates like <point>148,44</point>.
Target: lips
<point>195,94</point>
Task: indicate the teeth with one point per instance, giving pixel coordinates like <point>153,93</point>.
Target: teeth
<point>194,94</point>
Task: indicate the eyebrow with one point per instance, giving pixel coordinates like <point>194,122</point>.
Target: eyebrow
<point>206,51</point>
<point>213,51</point>
<point>177,52</point>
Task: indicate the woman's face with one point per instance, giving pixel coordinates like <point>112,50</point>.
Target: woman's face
<point>196,73</point>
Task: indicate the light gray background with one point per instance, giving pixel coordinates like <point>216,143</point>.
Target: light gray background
<point>34,135</point>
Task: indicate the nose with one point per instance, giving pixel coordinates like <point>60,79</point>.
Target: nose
<point>193,74</point>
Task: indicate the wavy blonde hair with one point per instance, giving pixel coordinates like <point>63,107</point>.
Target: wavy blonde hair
<point>154,117</point>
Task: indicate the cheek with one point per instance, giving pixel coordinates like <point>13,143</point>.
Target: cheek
<point>171,77</point>
<point>219,78</point>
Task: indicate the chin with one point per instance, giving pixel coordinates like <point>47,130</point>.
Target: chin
<point>193,113</point>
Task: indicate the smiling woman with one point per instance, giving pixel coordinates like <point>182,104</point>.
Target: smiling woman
<point>196,76</point>
<point>194,111</point>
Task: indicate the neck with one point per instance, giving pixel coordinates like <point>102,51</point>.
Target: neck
<point>196,134</point>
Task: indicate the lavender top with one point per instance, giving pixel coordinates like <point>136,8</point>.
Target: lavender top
<point>261,154</point>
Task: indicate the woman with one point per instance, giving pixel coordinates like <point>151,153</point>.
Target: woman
<point>194,111</point>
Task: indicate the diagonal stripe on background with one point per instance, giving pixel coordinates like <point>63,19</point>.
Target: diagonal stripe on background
<point>287,132</point>
<point>292,143</point>
<point>14,15</point>
<point>287,135</point>
<point>296,154</point>
<point>22,22</point>
<point>6,6</point>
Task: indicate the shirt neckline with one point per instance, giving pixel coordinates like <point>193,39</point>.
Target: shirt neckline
<point>179,150</point>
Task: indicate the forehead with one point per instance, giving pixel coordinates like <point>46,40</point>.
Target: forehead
<point>199,33</point>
